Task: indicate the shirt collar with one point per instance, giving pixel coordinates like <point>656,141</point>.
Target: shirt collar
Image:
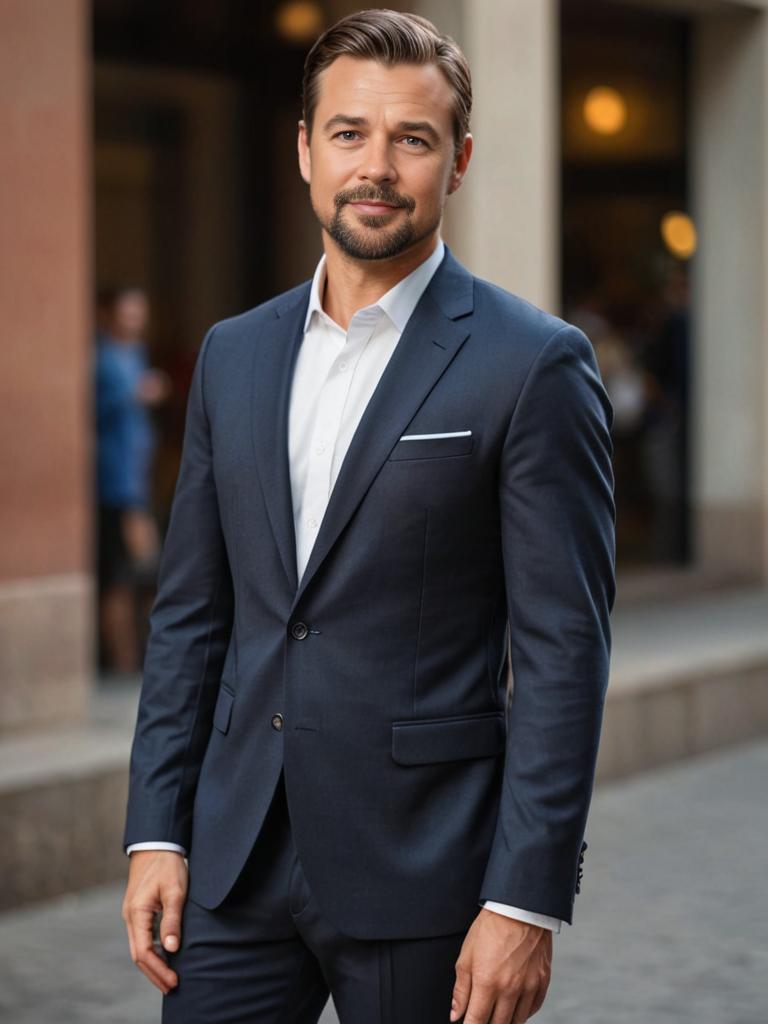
<point>398,303</point>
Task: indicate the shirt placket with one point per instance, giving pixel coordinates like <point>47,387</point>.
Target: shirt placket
<point>331,405</point>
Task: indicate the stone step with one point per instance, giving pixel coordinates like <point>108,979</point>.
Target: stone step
<point>62,804</point>
<point>687,676</point>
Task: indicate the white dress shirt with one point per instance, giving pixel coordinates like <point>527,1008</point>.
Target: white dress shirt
<point>335,375</point>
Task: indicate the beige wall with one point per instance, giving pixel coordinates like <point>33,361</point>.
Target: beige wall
<point>729,148</point>
<point>505,223</point>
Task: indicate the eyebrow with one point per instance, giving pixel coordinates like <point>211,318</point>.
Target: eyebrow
<point>404,126</point>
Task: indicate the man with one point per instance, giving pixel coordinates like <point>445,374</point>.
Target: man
<point>126,388</point>
<point>384,469</point>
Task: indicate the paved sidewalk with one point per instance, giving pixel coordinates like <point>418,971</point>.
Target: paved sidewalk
<point>671,925</point>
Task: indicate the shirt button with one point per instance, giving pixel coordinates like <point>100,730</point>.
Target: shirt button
<point>320,448</point>
<point>299,630</point>
<point>342,366</point>
<point>277,722</point>
<point>312,523</point>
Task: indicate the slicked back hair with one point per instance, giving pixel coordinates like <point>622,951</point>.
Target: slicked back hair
<point>391,37</point>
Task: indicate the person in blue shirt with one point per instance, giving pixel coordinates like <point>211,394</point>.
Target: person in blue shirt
<point>126,388</point>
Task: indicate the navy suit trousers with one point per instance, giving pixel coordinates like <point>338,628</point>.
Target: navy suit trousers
<point>268,955</point>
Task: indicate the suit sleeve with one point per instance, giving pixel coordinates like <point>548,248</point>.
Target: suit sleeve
<point>190,626</point>
<point>558,539</point>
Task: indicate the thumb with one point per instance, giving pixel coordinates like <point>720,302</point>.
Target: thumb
<point>170,924</point>
<point>460,997</point>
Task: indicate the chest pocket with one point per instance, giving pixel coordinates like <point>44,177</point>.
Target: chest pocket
<point>433,446</point>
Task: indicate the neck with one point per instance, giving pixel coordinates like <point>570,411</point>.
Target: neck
<point>351,284</point>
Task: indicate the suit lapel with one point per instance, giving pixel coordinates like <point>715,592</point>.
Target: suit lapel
<point>274,359</point>
<point>431,339</point>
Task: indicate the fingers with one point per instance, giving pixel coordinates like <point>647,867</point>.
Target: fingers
<point>504,1012</point>
<point>488,1006</point>
<point>143,952</point>
<point>170,925</point>
<point>461,990</point>
<point>482,1002</point>
<point>481,999</point>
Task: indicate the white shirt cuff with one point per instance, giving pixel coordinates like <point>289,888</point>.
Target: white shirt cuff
<point>528,916</point>
<point>156,846</point>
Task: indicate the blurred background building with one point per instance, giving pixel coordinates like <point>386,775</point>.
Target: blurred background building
<point>620,179</point>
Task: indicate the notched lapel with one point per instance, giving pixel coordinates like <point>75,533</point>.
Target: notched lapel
<point>274,358</point>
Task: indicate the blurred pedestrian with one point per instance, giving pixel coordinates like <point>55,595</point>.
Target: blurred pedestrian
<point>128,542</point>
<point>665,438</point>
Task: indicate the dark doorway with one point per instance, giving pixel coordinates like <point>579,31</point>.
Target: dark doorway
<point>626,245</point>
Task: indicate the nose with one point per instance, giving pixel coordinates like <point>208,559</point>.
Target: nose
<point>377,165</point>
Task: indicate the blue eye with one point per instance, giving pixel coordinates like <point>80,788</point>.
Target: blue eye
<point>413,138</point>
<point>347,131</point>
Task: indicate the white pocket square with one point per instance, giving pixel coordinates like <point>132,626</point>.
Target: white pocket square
<point>430,437</point>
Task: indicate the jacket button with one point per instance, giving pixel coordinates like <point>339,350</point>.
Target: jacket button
<point>299,630</point>
<point>277,721</point>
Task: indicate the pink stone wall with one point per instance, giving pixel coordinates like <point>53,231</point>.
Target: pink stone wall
<point>45,392</point>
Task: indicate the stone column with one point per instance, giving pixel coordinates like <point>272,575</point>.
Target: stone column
<point>46,609</point>
<point>729,149</point>
<point>503,222</point>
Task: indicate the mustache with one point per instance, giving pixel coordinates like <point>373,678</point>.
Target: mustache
<point>368,194</point>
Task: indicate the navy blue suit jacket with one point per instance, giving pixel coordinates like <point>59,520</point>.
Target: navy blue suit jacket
<point>414,788</point>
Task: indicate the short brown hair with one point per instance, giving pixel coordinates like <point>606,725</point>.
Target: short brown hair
<point>391,37</point>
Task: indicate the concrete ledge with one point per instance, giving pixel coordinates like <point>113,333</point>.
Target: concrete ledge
<point>62,803</point>
<point>687,676</point>
<point>63,835</point>
<point>649,726</point>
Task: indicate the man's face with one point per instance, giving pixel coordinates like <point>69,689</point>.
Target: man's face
<point>382,159</point>
<point>130,315</point>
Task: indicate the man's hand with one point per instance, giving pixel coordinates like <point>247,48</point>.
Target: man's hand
<point>154,387</point>
<point>140,537</point>
<point>157,882</point>
<point>503,971</point>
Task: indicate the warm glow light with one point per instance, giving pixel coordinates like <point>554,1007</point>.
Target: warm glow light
<point>679,234</point>
<point>605,110</point>
<point>299,22</point>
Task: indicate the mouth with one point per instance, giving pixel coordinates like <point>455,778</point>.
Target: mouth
<point>369,207</point>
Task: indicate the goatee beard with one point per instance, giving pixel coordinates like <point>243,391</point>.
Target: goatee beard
<point>380,244</point>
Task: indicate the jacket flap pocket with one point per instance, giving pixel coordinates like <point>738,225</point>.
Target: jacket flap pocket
<point>422,741</point>
<point>223,710</point>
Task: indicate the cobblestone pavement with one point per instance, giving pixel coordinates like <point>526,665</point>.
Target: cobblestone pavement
<point>671,925</point>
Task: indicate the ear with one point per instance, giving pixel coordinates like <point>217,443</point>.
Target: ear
<point>305,162</point>
<point>460,165</point>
